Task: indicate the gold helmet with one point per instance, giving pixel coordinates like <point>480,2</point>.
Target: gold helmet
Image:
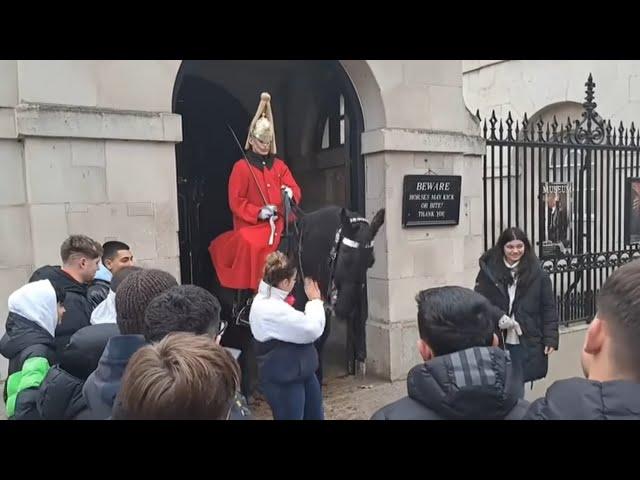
<point>262,124</point>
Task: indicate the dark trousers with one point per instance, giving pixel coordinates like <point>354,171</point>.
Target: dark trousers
<point>517,357</point>
<point>296,400</point>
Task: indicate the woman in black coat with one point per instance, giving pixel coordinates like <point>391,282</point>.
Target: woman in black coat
<point>512,279</point>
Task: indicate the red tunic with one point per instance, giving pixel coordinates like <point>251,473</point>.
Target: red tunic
<point>239,255</point>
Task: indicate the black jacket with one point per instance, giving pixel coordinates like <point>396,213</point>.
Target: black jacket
<point>582,399</point>
<point>77,306</point>
<point>60,396</point>
<point>97,292</point>
<point>475,384</point>
<point>81,356</point>
<point>534,308</point>
<point>23,340</point>
<point>102,386</point>
<point>61,392</point>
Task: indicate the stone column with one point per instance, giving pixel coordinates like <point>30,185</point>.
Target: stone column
<point>428,131</point>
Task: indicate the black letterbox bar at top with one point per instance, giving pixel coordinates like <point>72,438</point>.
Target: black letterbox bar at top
<point>431,200</point>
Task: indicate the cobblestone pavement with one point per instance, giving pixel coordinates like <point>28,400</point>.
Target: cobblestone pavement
<point>347,398</point>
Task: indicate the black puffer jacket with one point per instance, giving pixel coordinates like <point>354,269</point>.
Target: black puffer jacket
<point>77,306</point>
<point>81,356</point>
<point>23,340</point>
<point>474,384</point>
<point>582,399</point>
<point>97,292</point>
<point>534,309</point>
<point>60,396</point>
<point>61,391</point>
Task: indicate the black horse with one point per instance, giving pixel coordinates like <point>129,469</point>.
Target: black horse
<point>334,246</point>
<point>336,249</point>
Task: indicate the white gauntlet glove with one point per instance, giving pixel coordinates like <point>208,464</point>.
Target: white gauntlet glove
<point>288,191</point>
<point>267,212</point>
<point>508,323</point>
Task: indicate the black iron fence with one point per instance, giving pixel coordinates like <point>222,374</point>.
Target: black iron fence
<point>571,187</point>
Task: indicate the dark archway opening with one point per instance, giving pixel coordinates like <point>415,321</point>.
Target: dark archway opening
<point>318,122</point>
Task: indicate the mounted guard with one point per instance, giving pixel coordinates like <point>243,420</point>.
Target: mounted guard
<point>256,187</point>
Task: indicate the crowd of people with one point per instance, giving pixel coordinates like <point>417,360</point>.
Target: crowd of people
<point>100,338</point>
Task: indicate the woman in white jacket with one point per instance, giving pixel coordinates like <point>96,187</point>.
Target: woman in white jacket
<point>287,358</point>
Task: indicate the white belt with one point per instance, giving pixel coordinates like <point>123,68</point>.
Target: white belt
<point>272,222</point>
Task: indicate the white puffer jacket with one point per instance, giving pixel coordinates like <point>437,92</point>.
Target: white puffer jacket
<point>272,318</point>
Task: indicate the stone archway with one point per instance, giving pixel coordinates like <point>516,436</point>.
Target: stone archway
<point>320,115</point>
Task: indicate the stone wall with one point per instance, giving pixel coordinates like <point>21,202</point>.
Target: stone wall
<point>85,147</point>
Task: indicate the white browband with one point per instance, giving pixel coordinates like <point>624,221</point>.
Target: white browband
<point>350,243</point>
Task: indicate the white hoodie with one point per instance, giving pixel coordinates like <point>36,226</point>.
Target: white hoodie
<point>36,301</point>
<point>105,312</point>
<point>271,318</point>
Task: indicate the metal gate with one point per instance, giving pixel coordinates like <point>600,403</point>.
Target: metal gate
<point>527,169</point>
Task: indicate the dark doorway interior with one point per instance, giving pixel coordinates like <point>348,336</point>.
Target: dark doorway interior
<point>318,123</point>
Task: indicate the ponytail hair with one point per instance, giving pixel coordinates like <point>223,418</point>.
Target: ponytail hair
<point>278,268</point>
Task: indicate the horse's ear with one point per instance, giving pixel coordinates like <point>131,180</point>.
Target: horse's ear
<point>344,220</point>
<point>376,223</point>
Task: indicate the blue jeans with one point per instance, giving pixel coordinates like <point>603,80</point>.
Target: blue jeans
<point>517,358</point>
<point>295,401</point>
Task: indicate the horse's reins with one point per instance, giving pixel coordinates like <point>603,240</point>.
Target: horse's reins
<point>290,206</point>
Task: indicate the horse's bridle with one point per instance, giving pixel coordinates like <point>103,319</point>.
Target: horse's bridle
<point>332,291</point>
<point>339,239</point>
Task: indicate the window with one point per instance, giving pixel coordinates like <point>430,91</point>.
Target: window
<point>334,129</point>
<point>325,135</point>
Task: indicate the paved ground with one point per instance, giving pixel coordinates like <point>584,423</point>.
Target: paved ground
<point>348,398</point>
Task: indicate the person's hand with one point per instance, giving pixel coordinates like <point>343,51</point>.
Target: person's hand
<point>267,212</point>
<point>311,289</point>
<point>549,350</point>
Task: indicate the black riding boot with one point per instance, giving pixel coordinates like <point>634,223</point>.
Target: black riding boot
<point>242,307</point>
<point>247,359</point>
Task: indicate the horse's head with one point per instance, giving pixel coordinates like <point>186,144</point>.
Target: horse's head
<point>354,258</point>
